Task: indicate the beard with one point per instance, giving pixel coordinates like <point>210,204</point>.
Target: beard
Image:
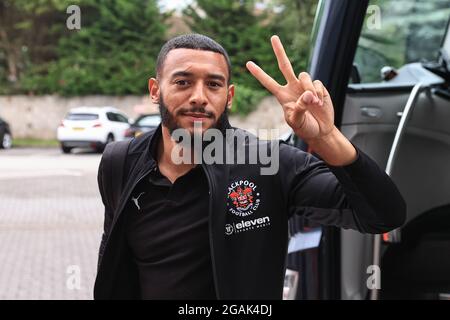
<point>169,120</point>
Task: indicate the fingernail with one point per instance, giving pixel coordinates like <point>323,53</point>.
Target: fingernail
<point>306,99</point>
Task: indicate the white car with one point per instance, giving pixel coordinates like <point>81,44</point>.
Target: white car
<point>92,127</point>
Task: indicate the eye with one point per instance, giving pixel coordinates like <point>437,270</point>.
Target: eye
<point>181,82</point>
<point>214,84</point>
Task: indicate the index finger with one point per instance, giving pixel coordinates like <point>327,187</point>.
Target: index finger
<point>267,81</point>
<point>284,64</point>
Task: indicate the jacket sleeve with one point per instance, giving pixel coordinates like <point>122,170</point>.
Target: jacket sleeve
<point>108,211</point>
<point>359,196</point>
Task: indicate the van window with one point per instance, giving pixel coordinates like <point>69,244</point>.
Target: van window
<point>398,32</point>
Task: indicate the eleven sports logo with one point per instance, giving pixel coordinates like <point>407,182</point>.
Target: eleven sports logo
<point>242,201</point>
<point>246,225</point>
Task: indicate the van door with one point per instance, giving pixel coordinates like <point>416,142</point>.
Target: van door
<point>387,68</point>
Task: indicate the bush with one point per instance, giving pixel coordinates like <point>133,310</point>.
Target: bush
<point>246,99</point>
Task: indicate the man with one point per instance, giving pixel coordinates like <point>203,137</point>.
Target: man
<point>207,231</point>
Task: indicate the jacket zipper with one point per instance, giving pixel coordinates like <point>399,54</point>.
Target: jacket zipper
<point>130,191</point>
<point>211,233</point>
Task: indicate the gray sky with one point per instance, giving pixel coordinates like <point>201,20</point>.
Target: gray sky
<point>173,4</point>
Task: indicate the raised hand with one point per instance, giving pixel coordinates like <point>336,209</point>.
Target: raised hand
<point>307,105</point>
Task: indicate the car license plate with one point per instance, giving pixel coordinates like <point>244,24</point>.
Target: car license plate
<point>78,129</point>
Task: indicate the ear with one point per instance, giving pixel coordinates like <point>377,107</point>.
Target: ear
<point>230,96</point>
<point>153,89</point>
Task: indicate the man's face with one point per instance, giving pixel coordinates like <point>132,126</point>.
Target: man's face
<point>192,87</point>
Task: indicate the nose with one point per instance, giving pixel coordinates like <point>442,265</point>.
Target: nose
<point>198,96</point>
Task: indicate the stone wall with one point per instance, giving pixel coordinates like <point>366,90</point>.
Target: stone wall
<point>38,117</point>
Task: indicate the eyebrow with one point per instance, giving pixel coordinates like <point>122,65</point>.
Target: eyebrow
<point>215,76</point>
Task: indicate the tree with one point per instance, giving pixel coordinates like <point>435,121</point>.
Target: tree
<point>240,29</point>
<point>114,52</point>
<point>26,37</point>
<point>294,20</point>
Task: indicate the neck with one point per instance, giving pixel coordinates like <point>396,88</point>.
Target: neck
<point>165,163</point>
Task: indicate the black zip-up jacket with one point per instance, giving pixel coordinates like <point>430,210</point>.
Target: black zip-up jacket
<point>248,216</point>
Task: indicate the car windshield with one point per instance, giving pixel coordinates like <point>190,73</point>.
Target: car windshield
<point>398,32</point>
<point>149,121</point>
<point>81,116</point>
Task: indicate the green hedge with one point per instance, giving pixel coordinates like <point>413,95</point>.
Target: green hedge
<point>246,99</point>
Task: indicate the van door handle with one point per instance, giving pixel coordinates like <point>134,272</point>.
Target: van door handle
<point>371,112</point>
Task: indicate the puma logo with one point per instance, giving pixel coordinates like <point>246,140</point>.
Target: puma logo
<point>135,200</point>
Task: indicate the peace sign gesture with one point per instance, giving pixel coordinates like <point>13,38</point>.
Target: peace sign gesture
<point>307,105</point>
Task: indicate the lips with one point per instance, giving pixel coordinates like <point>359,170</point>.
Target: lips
<point>196,116</point>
